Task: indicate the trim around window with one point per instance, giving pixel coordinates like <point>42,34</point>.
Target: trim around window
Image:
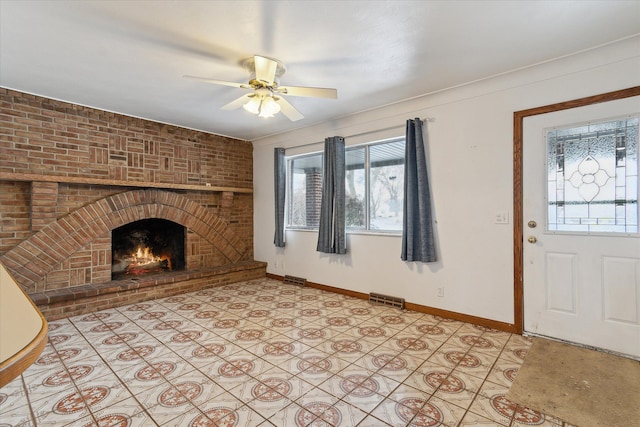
<point>374,189</point>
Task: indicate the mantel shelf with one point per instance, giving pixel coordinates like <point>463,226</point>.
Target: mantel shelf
<point>10,176</point>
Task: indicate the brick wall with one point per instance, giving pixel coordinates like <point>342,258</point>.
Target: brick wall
<point>39,135</point>
<point>57,139</point>
<point>15,220</point>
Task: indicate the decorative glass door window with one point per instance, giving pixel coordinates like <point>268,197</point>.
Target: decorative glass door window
<point>592,182</point>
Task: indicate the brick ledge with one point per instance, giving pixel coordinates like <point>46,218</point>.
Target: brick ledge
<point>84,291</point>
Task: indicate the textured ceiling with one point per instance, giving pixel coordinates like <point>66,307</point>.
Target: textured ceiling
<point>130,56</point>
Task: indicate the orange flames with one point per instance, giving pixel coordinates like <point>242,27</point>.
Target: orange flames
<point>144,256</point>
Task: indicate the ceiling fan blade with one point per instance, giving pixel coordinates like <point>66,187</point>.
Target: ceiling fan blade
<point>237,103</point>
<point>265,69</point>
<point>220,82</point>
<point>315,92</point>
<point>288,110</point>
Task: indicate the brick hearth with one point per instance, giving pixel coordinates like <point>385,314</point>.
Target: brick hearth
<point>76,300</point>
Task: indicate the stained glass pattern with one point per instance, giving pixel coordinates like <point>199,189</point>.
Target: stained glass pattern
<point>592,181</point>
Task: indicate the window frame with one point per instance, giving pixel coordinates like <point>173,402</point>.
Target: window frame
<point>289,190</point>
<point>367,189</point>
<point>367,202</point>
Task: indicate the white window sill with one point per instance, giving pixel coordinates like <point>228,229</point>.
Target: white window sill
<point>352,232</point>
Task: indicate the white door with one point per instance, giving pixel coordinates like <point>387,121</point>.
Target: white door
<point>581,250</point>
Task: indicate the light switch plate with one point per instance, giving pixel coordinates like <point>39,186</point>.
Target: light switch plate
<point>502,217</point>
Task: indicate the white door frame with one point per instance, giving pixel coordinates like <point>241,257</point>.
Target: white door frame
<point>518,128</point>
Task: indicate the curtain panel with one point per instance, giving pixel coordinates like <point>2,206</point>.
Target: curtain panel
<point>332,231</point>
<point>417,231</point>
<point>279,190</point>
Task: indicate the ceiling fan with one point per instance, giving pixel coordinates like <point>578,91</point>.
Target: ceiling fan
<point>266,98</point>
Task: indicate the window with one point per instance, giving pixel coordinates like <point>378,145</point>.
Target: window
<point>355,189</point>
<point>592,183</point>
<point>305,191</point>
<point>374,187</point>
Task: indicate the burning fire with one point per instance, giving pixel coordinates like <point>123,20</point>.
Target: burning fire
<point>143,257</point>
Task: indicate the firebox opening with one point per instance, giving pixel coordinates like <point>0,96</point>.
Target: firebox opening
<point>148,246</point>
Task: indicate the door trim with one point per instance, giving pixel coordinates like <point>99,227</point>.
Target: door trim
<point>518,128</point>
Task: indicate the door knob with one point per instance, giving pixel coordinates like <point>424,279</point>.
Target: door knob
<point>532,239</point>
<point>532,224</point>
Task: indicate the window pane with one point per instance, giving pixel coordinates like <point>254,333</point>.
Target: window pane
<point>305,175</point>
<point>386,185</point>
<point>374,186</point>
<point>592,181</point>
<point>355,188</point>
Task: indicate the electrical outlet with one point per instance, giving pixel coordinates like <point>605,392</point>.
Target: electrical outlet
<point>441,292</point>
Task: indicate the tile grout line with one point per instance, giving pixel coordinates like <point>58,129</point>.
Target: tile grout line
<point>73,381</point>
<point>26,393</point>
<point>175,354</point>
<point>109,367</point>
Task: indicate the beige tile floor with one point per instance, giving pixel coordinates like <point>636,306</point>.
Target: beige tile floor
<point>262,353</point>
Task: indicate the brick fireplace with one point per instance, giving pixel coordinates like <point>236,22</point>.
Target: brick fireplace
<point>71,175</point>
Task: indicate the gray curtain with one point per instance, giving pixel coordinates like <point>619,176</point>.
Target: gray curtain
<point>417,229</point>
<point>331,232</point>
<point>279,180</point>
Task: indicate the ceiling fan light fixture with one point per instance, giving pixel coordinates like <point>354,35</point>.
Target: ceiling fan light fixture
<point>253,106</point>
<point>268,107</point>
<point>265,82</point>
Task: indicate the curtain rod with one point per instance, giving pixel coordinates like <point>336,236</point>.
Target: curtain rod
<point>356,134</point>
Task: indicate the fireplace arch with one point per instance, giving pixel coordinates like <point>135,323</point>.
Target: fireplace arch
<point>33,258</point>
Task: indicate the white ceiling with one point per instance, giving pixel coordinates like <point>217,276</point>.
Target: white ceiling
<point>130,56</point>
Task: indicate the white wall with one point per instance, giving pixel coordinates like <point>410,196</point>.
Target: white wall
<point>470,140</point>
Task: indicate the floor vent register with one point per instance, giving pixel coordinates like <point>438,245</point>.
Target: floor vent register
<point>292,280</point>
<point>387,300</point>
